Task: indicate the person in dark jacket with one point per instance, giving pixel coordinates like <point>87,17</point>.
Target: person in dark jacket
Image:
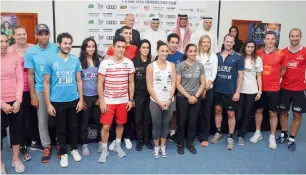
<point>234,31</point>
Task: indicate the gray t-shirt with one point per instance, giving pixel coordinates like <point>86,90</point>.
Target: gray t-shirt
<point>249,85</point>
<point>190,76</point>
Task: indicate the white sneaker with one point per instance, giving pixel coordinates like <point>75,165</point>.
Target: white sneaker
<point>272,142</point>
<point>128,144</point>
<point>100,147</point>
<point>19,167</point>
<point>112,145</point>
<point>76,156</point>
<point>64,161</point>
<point>256,137</point>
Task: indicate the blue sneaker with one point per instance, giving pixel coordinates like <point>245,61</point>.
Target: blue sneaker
<point>282,139</point>
<point>291,145</point>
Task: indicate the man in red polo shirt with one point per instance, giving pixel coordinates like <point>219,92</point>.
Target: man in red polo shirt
<point>293,88</point>
<point>274,67</point>
<point>130,50</point>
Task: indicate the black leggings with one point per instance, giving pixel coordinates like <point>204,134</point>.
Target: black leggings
<point>246,103</point>
<point>13,121</point>
<point>143,120</point>
<point>29,123</point>
<point>187,115</point>
<point>205,115</point>
<point>92,112</point>
<point>66,116</point>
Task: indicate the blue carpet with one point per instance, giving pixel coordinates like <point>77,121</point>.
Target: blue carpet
<point>250,158</point>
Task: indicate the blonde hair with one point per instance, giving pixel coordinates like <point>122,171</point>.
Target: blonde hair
<point>200,44</point>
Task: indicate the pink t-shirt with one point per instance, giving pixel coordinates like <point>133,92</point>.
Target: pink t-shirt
<point>25,74</point>
<point>11,78</point>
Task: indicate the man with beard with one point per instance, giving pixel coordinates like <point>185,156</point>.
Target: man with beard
<point>183,30</point>
<point>205,29</point>
<point>154,34</point>
<point>63,90</point>
<point>293,88</point>
<point>34,60</point>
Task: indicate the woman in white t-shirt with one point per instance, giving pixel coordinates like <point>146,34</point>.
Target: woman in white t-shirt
<point>160,78</point>
<point>251,87</point>
<point>210,62</point>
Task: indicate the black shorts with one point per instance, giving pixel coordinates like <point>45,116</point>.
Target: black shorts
<point>297,98</point>
<point>269,100</point>
<point>225,100</point>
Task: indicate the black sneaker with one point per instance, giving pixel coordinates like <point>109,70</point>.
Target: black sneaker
<point>148,143</point>
<point>173,139</point>
<point>191,149</point>
<point>281,140</point>
<point>180,149</point>
<point>37,147</point>
<point>47,155</point>
<point>139,145</point>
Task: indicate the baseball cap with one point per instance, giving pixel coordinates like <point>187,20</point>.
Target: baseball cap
<point>41,27</point>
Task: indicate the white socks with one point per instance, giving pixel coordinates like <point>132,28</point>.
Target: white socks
<point>104,145</point>
<point>118,140</point>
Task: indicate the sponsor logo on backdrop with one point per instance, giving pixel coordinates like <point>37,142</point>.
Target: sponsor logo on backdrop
<point>151,15</point>
<point>134,7</point>
<point>158,8</point>
<point>197,24</point>
<point>171,16</point>
<point>111,7</point>
<point>94,30</point>
<point>122,22</point>
<point>123,7</point>
<point>107,30</point>
<point>201,10</point>
<point>107,14</point>
<point>193,17</point>
<point>107,45</point>
<point>121,14</point>
<point>161,15</point>
<point>111,22</point>
<point>146,23</point>
<point>186,10</point>
<point>100,22</point>
<point>91,6</point>
<point>91,22</point>
<point>110,37</point>
<point>167,31</point>
<point>93,14</point>
<point>92,37</point>
<point>190,24</point>
<point>100,37</point>
<point>171,8</point>
<point>100,6</point>
<point>170,23</point>
<point>141,15</point>
<point>146,8</point>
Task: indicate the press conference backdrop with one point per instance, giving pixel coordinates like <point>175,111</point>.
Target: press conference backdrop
<point>104,17</point>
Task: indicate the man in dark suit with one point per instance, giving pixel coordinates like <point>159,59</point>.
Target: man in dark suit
<point>129,21</point>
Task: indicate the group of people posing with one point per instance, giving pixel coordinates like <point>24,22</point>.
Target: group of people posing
<point>160,92</point>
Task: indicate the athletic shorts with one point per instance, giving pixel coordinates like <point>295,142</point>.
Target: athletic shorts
<point>269,100</point>
<point>297,98</point>
<point>225,100</point>
<point>114,109</point>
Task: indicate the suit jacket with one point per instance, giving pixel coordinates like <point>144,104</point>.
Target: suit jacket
<point>135,37</point>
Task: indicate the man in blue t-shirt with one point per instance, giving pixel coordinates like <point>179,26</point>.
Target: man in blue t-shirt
<point>175,57</point>
<point>64,95</point>
<point>34,60</point>
<point>227,88</point>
